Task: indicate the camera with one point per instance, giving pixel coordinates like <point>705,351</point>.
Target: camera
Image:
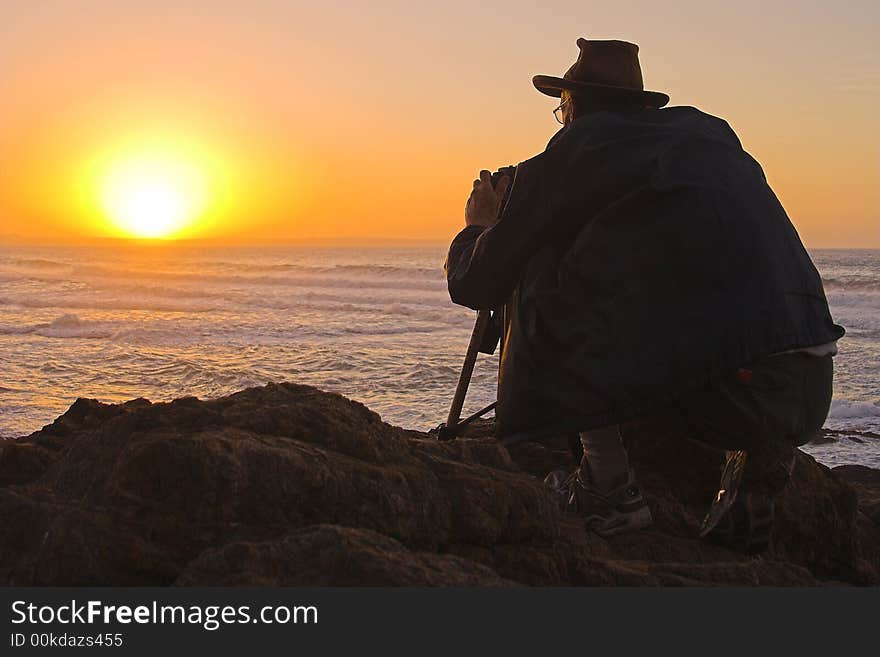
<point>508,171</point>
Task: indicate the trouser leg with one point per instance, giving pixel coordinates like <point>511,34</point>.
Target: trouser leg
<point>781,404</point>
<point>783,398</point>
<point>817,377</point>
<point>760,417</point>
<point>604,457</point>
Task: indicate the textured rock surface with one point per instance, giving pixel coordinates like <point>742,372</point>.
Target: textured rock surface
<point>288,485</point>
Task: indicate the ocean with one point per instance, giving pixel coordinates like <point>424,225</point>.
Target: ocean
<point>376,324</point>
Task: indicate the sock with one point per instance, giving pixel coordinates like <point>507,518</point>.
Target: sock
<point>605,457</point>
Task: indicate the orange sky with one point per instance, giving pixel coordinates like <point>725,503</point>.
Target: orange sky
<point>370,119</point>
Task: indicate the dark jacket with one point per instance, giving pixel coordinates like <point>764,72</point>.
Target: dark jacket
<point>641,256</point>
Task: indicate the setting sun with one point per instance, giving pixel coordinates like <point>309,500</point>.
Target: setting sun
<point>152,196</point>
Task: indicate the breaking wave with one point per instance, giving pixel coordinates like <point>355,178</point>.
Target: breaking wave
<point>66,326</point>
<point>852,284</point>
<point>841,409</point>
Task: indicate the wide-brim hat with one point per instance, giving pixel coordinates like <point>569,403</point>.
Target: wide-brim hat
<point>603,70</point>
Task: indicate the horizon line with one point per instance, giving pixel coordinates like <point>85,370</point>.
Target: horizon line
<point>19,240</point>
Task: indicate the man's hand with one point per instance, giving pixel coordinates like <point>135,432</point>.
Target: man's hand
<point>484,203</point>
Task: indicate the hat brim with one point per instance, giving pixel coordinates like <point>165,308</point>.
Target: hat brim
<point>553,86</point>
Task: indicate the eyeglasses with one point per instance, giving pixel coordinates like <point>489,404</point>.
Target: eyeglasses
<point>559,112</point>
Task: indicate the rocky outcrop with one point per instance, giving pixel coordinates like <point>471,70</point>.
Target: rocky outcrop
<point>289,485</point>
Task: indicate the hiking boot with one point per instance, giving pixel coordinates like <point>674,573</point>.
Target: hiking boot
<point>741,515</point>
<point>559,483</point>
<point>746,527</point>
<point>620,510</point>
<point>731,476</point>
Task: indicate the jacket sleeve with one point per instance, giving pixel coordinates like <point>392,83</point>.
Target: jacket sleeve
<point>484,265</point>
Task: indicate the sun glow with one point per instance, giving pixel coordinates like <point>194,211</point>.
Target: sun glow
<point>153,196</point>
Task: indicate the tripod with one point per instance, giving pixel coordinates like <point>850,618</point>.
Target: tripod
<point>450,429</point>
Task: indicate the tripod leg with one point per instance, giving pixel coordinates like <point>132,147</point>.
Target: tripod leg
<point>467,369</point>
